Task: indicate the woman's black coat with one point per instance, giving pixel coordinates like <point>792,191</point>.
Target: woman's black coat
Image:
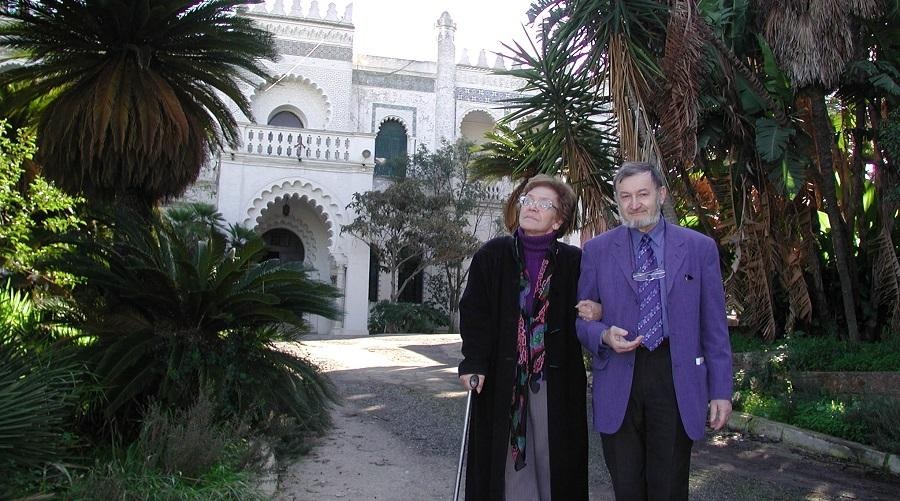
<point>489,316</point>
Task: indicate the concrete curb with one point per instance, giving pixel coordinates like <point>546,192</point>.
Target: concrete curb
<point>814,442</point>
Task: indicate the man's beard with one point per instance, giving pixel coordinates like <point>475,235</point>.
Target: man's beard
<point>641,222</point>
<point>645,221</point>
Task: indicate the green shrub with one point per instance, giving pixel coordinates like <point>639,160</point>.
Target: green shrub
<point>387,317</point>
<point>830,354</point>
<point>163,312</point>
<point>762,405</point>
<point>741,343</point>
<point>30,207</point>
<point>829,416</point>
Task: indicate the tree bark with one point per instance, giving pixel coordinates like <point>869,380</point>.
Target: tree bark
<point>822,133</point>
<point>814,269</point>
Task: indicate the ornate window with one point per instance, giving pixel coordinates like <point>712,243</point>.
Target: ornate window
<point>390,149</point>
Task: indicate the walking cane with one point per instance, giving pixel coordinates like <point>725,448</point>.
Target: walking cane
<point>473,383</point>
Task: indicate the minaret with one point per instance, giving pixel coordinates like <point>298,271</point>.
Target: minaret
<point>445,84</point>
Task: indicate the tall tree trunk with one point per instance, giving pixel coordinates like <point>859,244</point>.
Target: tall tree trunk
<point>884,286</point>
<point>820,126</point>
<point>820,300</point>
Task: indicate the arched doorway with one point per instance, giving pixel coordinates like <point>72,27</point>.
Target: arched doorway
<point>284,245</point>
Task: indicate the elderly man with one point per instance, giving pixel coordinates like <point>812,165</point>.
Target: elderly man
<point>661,352</point>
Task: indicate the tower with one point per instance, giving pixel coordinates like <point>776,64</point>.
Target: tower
<point>445,83</point>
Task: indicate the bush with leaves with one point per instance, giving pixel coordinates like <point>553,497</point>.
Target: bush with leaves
<point>387,317</point>
<point>163,312</point>
<point>31,208</point>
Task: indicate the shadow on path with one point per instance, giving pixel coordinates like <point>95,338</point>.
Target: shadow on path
<point>398,431</point>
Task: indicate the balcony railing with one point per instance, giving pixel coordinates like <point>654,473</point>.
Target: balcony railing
<point>307,144</point>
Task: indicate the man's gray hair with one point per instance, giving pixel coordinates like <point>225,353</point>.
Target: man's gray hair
<point>629,169</point>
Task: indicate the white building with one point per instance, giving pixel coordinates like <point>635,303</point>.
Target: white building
<point>317,130</point>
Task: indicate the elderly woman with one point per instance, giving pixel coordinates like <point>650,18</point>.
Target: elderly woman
<point>528,435</point>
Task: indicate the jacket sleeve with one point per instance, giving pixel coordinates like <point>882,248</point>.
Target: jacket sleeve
<point>714,340</point>
<point>590,332</point>
<point>476,319</point>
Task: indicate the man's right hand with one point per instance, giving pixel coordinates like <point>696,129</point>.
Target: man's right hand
<point>465,378</point>
<point>615,338</point>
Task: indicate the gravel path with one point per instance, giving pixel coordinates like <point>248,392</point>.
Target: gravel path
<point>397,432</point>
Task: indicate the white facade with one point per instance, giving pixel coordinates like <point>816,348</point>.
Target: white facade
<point>301,179</point>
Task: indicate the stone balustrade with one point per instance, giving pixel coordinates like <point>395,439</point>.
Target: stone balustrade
<point>307,144</point>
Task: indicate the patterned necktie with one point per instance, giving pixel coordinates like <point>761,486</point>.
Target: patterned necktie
<point>650,324</point>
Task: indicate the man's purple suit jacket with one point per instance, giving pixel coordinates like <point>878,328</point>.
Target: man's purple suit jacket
<point>697,327</point>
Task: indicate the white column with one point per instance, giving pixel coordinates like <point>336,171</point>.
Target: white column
<point>356,290</point>
<point>445,83</point>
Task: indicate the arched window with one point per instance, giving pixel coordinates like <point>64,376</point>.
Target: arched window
<point>390,149</point>
<point>283,244</point>
<point>286,119</point>
<point>475,125</point>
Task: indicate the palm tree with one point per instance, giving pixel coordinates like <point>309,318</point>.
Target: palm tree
<point>135,89</point>
<point>695,87</point>
<point>814,41</point>
<point>565,119</point>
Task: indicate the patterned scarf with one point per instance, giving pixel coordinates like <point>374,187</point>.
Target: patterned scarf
<point>530,362</point>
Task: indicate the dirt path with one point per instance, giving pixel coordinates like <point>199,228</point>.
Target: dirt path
<point>396,437</point>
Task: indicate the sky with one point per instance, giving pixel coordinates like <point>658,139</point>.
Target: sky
<point>405,28</point>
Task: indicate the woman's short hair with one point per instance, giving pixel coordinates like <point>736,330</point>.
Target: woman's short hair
<point>564,192</point>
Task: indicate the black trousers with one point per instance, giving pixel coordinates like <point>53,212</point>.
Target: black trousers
<point>649,458</point>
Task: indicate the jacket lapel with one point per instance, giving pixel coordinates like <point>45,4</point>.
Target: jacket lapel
<point>675,254</point>
<point>623,256</point>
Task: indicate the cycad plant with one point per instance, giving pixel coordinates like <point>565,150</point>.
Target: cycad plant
<point>37,392</point>
<point>165,311</point>
<point>137,92</point>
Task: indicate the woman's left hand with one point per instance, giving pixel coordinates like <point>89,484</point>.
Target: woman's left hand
<point>589,310</point>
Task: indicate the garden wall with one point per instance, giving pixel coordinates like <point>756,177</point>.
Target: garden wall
<point>849,383</point>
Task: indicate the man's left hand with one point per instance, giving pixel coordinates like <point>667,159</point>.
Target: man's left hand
<point>589,310</point>
<point>719,412</point>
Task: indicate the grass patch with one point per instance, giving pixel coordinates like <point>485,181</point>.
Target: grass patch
<point>870,422</point>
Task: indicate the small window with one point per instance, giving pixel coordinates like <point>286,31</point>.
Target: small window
<point>374,270</point>
<point>286,119</point>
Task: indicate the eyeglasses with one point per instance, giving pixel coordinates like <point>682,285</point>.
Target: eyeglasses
<point>646,276</point>
<point>543,204</point>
